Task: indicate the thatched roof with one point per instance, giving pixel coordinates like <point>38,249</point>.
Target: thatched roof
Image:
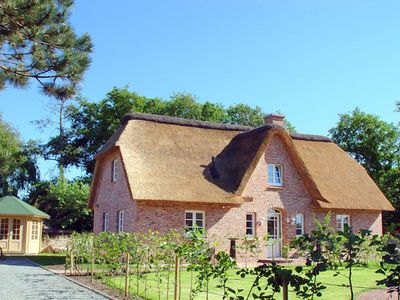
<point>175,159</point>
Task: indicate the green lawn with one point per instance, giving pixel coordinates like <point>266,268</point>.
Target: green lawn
<point>363,280</point>
<point>45,259</point>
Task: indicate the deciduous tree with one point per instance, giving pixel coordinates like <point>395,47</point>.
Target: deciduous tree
<point>17,161</point>
<point>376,145</point>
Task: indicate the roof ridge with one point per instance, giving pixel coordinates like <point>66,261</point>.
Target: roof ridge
<point>310,137</point>
<point>183,122</point>
<point>215,125</point>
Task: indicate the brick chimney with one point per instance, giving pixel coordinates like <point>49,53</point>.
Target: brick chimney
<point>274,119</point>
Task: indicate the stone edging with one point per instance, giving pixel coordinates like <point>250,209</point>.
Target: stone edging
<point>72,280</point>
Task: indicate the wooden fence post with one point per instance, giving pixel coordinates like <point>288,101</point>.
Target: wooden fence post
<point>176,285</point>
<point>285,289</point>
<point>72,264</point>
<point>127,275</point>
<point>92,267</point>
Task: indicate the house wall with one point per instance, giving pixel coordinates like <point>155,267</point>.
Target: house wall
<point>113,196</point>
<point>226,221</point>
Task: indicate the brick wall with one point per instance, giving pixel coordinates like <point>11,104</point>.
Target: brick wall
<point>113,197</point>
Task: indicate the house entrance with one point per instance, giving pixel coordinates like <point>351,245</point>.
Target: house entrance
<point>274,229</point>
<point>11,234</point>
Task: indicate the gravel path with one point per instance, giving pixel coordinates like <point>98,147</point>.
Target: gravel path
<point>21,279</point>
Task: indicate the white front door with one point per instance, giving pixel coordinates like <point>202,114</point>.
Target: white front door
<point>274,229</point>
<point>15,236</point>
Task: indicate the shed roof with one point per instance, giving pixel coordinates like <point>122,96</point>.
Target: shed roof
<point>175,159</point>
<point>10,205</point>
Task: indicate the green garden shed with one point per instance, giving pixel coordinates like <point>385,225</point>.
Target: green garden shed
<point>20,226</point>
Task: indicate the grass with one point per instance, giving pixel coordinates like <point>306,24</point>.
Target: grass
<point>363,280</point>
<point>46,259</point>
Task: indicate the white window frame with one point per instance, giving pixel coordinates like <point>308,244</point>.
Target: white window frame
<point>273,180</point>
<point>299,220</point>
<point>340,221</point>
<point>106,222</point>
<point>121,218</point>
<point>114,170</point>
<point>194,218</point>
<point>16,229</point>
<point>252,227</point>
<point>35,230</point>
<point>4,229</point>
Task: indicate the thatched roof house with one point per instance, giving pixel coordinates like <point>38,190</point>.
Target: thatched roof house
<point>166,161</point>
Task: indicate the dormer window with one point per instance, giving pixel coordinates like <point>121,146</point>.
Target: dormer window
<point>114,170</point>
<point>275,175</point>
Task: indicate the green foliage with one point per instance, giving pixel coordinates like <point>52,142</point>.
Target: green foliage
<point>152,257</point>
<point>18,167</point>
<point>245,115</point>
<point>220,271</point>
<point>249,247</point>
<point>66,203</point>
<point>390,263</point>
<point>36,41</point>
<point>350,252</point>
<point>317,249</point>
<point>271,279</point>
<point>376,145</point>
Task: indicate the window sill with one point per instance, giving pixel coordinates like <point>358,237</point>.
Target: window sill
<point>274,187</point>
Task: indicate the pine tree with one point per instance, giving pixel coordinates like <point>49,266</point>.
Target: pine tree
<point>37,42</point>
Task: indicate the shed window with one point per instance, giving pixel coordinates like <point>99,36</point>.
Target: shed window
<point>194,219</point>
<point>274,175</point>
<point>16,230</point>
<point>105,221</point>
<point>114,170</point>
<point>4,229</point>
<point>121,215</point>
<point>341,220</point>
<point>250,224</point>
<point>299,221</point>
<point>35,230</point>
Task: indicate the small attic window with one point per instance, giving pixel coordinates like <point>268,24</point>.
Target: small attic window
<point>114,165</point>
<point>274,175</point>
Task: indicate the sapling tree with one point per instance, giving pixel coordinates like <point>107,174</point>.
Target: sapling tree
<point>320,251</point>
<point>351,250</point>
<point>272,279</point>
<point>220,271</point>
<point>249,247</point>
<point>197,253</point>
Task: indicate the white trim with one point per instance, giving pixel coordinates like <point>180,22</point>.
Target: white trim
<point>121,217</point>
<point>194,212</point>
<point>340,221</point>
<point>253,224</point>
<point>301,223</point>
<point>106,219</point>
<point>277,175</point>
<point>5,228</point>
<point>274,249</point>
<point>35,230</point>
<point>114,170</point>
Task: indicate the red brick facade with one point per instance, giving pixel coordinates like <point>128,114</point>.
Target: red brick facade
<point>224,221</point>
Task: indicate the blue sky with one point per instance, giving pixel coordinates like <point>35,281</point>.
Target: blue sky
<point>309,59</point>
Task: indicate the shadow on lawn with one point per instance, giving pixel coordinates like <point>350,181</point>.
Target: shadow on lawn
<point>43,260</point>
